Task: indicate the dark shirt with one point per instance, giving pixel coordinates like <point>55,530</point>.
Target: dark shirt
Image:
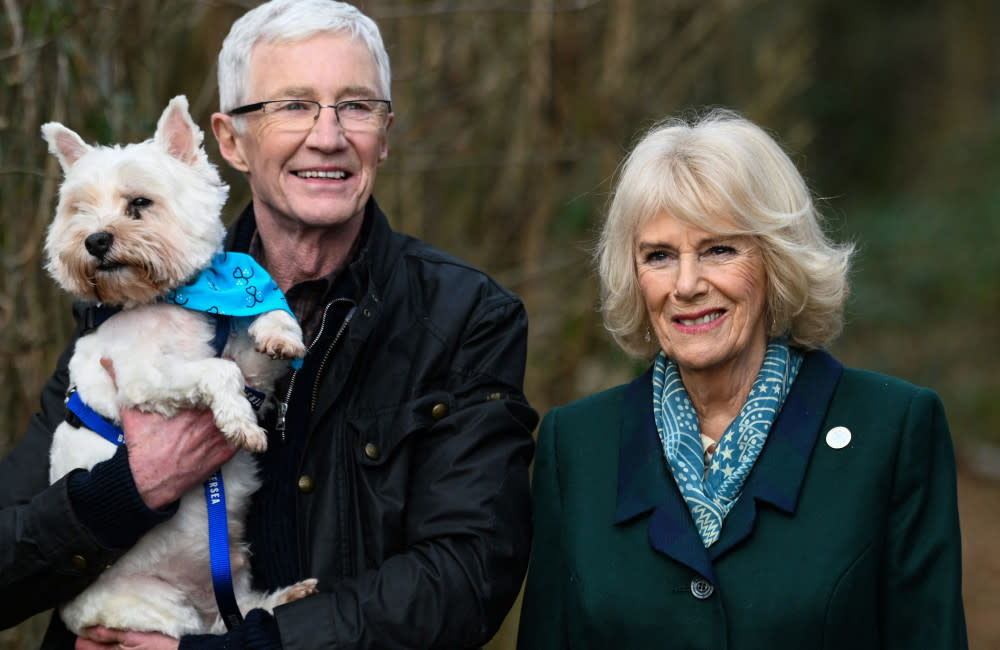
<point>271,522</point>
<point>307,298</point>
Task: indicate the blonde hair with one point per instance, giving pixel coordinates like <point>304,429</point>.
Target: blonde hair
<point>723,174</point>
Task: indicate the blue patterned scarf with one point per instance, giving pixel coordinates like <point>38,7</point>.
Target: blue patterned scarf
<point>710,495</point>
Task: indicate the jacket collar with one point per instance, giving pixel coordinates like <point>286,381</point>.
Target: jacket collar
<point>645,484</point>
<point>371,272</point>
<point>374,252</point>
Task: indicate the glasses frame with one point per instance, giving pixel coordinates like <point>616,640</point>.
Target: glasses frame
<point>259,106</point>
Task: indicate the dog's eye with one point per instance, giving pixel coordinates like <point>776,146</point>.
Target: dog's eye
<point>136,205</point>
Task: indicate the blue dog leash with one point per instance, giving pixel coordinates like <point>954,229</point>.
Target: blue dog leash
<point>215,501</point>
<point>234,286</point>
<point>218,551</point>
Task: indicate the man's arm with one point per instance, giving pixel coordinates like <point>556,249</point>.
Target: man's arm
<point>467,531</point>
<point>46,553</point>
<point>56,539</point>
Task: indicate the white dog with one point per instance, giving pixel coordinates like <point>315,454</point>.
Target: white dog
<point>134,226</point>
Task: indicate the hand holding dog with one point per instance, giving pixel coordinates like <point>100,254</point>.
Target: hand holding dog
<point>102,638</point>
<point>169,456</point>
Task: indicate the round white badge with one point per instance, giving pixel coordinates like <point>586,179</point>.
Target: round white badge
<point>838,437</point>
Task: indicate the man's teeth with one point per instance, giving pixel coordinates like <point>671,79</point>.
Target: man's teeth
<point>315,174</point>
<point>707,318</point>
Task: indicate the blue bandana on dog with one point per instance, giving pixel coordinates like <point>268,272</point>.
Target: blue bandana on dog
<point>233,285</point>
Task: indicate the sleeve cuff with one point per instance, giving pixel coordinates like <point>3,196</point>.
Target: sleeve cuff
<point>108,503</point>
<point>258,632</point>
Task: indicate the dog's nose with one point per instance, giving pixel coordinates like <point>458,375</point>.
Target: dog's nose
<point>98,244</point>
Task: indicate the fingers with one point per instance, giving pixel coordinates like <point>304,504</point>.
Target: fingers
<point>98,638</point>
<point>102,638</point>
<point>109,366</point>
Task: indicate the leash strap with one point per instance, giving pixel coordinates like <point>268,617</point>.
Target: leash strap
<point>218,551</point>
<point>215,501</point>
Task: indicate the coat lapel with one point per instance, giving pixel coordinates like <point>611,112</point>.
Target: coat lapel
<point>777,475</point>
<point>645,484</point>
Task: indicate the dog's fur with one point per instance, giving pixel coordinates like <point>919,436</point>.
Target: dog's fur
<point>159,202</point>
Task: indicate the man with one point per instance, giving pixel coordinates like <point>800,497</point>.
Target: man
<point>397,467</point>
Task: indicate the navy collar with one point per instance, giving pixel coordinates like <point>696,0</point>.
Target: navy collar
<point>646,486</point>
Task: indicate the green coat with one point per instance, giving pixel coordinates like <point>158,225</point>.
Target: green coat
<point>850,548</point>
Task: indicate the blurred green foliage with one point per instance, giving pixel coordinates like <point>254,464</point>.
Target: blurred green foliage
<point>511,117</point>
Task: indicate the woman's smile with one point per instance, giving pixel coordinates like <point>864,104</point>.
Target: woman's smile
<point>705,294</point>
<point>698,322</point>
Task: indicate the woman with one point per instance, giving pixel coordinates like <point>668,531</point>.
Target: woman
<point>747,491</point>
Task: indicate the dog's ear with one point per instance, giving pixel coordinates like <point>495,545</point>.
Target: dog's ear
<point>177,133</point>
<point>64,144</point>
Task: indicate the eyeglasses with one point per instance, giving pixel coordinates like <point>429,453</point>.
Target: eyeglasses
<point>302,114</point>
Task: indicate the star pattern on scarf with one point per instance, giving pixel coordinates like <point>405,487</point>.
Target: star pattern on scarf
<point>711,492</point>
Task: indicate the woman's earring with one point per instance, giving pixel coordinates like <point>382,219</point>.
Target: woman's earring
<point>649,336</point>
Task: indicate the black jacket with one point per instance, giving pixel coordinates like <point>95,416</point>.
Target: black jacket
<point>411,498</point>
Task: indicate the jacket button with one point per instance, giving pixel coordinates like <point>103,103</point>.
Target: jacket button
<point>79,562</point>
<point>372,451</point>
<point>701,588</point>
<point>306,484</point>
<point>439,411</point>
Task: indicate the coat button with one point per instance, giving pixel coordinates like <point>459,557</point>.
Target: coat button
<point>439,411</point>
<point>306,484</point>
<point>372,451</point>
<point>701,588</point>
<point>79,562</point>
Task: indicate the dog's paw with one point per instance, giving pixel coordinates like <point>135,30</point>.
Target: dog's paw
<point>282,596</point>
<point>281,346</point>
<point>299,590</point>
<point>278,335</point>
<point>249,437</point>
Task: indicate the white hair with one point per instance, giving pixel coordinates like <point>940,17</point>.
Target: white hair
<point>291,21</point>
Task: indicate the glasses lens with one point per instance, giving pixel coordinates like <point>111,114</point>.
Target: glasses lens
<point>292,114</point>
<point>362,114</point>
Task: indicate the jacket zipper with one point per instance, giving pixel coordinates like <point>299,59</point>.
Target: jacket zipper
<point>283,406</point>
<point>326,357</point>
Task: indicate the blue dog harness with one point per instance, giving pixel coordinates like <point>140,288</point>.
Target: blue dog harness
<point>235,286</point>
